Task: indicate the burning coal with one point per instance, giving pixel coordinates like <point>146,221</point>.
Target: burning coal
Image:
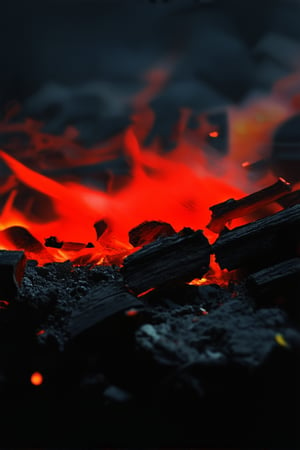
<point>52,212</point>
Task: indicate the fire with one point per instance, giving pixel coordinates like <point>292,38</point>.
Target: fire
<point>198,281</point>
<point>36,379</point>
<point>177,187</point>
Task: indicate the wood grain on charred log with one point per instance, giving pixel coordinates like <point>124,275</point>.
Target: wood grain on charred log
<point>275,280</point>
<point>261,243</point>
<point>232,209</point>
<point>101,303</point>
<point>148,232</point>
<point>173,259</point>
<point>12,266</point>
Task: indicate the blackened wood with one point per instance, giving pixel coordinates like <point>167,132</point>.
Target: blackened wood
<point>12,266</point>
<point>290,199</point>
<point>261,243</point>
<point>178,258</point>
<point>67,246</point>
<point>100,227</point>
<point>149,231</point>
<point>53,242</point>
<point>232,209</point>
<point>22,239</point>
<point>101,303</point>
<point>275,280</point>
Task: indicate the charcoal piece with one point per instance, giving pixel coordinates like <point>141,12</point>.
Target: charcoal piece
<point>53,242</point>
<point>280,279</point>
<point>173,259</point>
<point>73,246</point>
<point>232,209</point>
<point>261,243</point>
<point>100,227</point>
<point>101,303</point>
<point>12,266</point>
<point>23,239</point>
<point>149,231</point>
<point>291,199</point>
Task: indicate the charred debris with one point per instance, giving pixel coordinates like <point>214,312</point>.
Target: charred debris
<point>154,344</point>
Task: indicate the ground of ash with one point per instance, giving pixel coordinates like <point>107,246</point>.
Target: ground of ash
<point>202,347</point>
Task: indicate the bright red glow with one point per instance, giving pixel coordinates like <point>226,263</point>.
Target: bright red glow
<point>36,379</point>
<point>131,312</point>
<point>4,302</point>
<point>246,164</point>
<point>177,186</point>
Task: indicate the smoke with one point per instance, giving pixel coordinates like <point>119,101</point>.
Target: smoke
<point>80,62</point>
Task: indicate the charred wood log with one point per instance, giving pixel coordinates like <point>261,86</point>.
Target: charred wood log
<point>291,199</point>
<point>101,303</point>
<point>12,266</point>
<point>232,209</point>
<point>149,231</point>
<point>53,242</point>
<point>261,243</point>
<point>172,259</point>
<point>67,246</point>
<point>276,280</point>
<point>21,238</point>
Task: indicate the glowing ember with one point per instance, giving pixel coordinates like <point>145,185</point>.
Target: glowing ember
<point>131,312</point>
<point>4,302</point>
<point>36,379</point>
<point>198,281</point>
<point>246,164</point>
<point>214,134</point>
<point>40,332</point>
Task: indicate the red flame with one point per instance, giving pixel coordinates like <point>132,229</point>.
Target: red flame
<point>177,187</point>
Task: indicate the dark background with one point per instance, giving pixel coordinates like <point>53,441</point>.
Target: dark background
<point>225,48</point>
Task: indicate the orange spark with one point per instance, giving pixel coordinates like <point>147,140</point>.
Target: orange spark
<point>36,379</point>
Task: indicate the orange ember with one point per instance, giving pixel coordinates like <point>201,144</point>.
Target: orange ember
<point>131,312</point>
<point>36,379</point>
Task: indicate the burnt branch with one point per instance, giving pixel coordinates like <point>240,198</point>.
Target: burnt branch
<point>290,199</point>
<point>101,303</point>
<point>173,259</point>
<point>232,209</point>
<point>261,243</point>
<point>279,279</point>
